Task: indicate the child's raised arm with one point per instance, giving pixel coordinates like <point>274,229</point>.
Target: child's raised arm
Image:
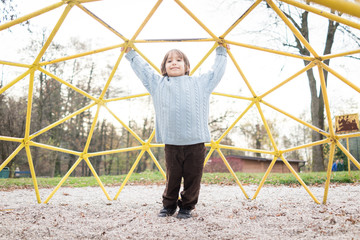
<point>142,69</point>
<point>212,78</point>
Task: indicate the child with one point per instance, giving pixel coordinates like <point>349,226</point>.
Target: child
<point>182,109</point>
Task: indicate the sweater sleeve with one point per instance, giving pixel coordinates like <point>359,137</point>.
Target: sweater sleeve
<point>212,78</point>
<point>144,71</point>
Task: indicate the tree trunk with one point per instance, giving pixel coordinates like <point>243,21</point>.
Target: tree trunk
<point>112,136</point>
<point>317,101</point>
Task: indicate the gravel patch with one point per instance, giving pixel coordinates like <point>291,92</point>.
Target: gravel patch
<point>223,212</point>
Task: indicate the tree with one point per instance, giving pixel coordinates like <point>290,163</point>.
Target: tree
<point>300,19</point>
<point>317,101</point>
<point>9,11</point>
<point>257,136</point>
<point>296,136</point>
<point>12,123</point>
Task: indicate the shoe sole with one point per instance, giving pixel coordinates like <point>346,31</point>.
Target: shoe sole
<point>181,216</point>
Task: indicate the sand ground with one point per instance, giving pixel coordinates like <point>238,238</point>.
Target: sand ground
<point>223,212</point>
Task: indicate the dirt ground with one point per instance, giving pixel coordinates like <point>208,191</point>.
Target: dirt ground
<point>222,213</point>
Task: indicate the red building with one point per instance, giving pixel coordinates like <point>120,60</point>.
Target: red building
<point>251,164</point>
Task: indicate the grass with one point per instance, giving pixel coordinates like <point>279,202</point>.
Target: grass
<point>148,177</point>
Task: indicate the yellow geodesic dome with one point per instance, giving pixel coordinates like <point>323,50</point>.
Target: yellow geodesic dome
<point>255,96</point>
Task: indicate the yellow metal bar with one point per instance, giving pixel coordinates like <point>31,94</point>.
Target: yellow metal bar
<point>327,140</point>
<point>97,177</point>
<point>248,11</point>
<point>111,75</point>
<point>299,179</point>
<point>342,6</point>
<point>173,40</point>
<point>245,149</point>
<point>127,97</point>
<point>330,56</point>
<point>328,174</point>
<point>348,154</point>
<point>156,145</point>
<point>32,171</point>
<point>232,172</point>
<point>152,135</point>
<point>270,50</point>
<point>68,84</point>
<point>157,163</point>
<point>81,55</point>
<point>297,119</point>
<point>203,59</point>
<point>61,121</point>
<point>129,174</point>
<point>125,126</point>
<point>146,20</point>
<point>197,20</point>
<point>86,1</point>
<point>292,28</point>
<point>58,149</point>
<point>235,122</point>
<point>242,74</point>
<point>101,22</point>
<point>310,65</point>
<point>11,139</point>
<point>31,15</point>
<point>209,155</point>
<point>15,64</point>
<point>12,155</point>
<point>232,96</point>
<point>29,104</point>
<point>349,135</point>
<point>115,151</point>
<point>322,13</point>
<point>146,59</point>
<point>265,177</point>
<point>13,82</point>
<point>63,180</point>
<point>92,129</point>
<point>327,68</point>
<point>53,33</point>
<point>348,159</point>
<point>266,126</point>
<point>326,100</point>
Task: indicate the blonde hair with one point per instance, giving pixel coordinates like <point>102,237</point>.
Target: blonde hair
<point>183,57</point>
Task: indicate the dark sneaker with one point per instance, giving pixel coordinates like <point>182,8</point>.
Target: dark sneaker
<point>184,213</point>
<point>166,212</point>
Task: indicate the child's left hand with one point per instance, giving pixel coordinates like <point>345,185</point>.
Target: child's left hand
<point>225,45</point>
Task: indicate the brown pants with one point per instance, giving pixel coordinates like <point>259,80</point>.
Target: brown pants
<point>183,162</point>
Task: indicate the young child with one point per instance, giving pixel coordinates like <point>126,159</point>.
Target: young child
<point>182,109</point>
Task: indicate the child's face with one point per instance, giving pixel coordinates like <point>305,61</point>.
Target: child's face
<point>175,65</point>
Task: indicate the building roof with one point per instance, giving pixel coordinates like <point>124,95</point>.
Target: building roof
<point>261,159</point>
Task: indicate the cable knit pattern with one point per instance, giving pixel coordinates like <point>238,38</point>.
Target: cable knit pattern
<point>197,108</point>
<point>181,103</point>
<point>189,124</point>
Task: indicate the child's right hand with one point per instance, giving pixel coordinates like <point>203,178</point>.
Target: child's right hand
<point>128,49</point>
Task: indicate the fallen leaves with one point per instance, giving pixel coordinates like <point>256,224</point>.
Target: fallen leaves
<point>353,221</point>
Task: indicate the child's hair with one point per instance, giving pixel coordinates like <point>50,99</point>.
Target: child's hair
<point>183,57</point>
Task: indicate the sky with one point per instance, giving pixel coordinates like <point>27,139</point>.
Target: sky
<point>262,70</point>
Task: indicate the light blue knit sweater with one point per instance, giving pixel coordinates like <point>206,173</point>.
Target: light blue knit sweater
<point>181,103</point>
